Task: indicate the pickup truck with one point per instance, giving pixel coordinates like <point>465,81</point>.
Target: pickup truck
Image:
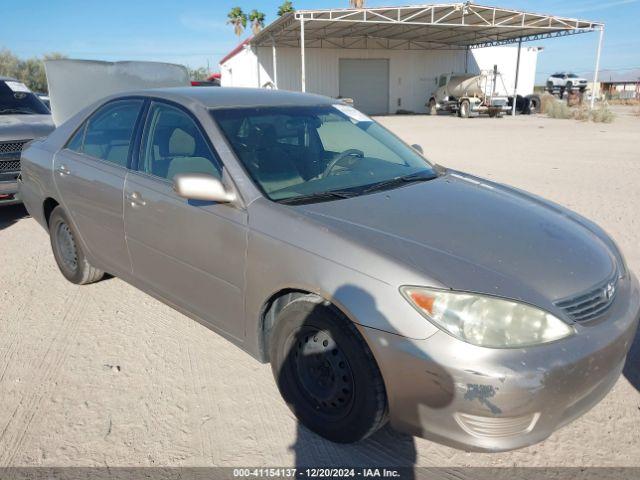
<point>23,117</point>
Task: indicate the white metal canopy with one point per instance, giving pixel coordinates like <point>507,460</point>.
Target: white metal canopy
<point>455,26</point>
<point>426,27</point>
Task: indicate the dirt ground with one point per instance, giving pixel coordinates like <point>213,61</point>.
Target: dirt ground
<point>105,375</point>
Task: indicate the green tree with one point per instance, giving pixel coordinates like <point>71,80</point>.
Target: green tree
<point>286,7</point>
<point>257,21</point>
<point>238,19</point>
<point>30,71</point>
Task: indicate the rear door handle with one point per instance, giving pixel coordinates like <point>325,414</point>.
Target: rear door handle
<point>63,170</point>
<point>135,199</point>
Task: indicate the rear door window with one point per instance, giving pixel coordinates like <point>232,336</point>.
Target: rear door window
<point>109,131</point>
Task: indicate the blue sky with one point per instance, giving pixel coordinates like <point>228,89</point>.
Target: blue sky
<point>193,32</point>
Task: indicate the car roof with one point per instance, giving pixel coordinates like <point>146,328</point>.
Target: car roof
<point>230,97</point>
<point>10,79</point>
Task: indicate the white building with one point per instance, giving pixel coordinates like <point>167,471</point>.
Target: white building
<point>388,58</point>
<point>379,80</point>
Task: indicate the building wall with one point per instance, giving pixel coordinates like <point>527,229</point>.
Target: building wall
<point>413,73</point>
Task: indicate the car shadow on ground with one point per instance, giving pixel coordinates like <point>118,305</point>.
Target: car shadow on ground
<point>386,448</point>
<point>11,214</point>
<point>632,366</point>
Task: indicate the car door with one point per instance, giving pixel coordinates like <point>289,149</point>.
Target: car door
<point>190,253</point>
<point>89,174</point>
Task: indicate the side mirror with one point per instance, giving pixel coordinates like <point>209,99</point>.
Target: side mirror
<point>200,186</point>
<point>417,148</point>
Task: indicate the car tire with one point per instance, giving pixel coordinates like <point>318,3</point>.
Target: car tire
<point>68,252</point>
<point>465,108</point>
<point>534,103</point>
<point>325,371</point>
<point>550,86</point>
<point>432,108</point>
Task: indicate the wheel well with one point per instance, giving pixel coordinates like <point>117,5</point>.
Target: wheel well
<point>48,206</point>
<point>269,313</point>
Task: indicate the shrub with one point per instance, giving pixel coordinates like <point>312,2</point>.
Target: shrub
<point>555,108</point>
<point>602,114</point>
<point>545,101</point>
<point>559,109</point>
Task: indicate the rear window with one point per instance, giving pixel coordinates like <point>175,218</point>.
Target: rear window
<point>16,99</point>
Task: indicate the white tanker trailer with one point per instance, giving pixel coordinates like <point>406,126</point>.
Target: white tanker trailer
<point>467,95</point>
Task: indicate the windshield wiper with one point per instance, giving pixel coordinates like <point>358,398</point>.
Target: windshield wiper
<point>394,182</point>
<point>317,197</point>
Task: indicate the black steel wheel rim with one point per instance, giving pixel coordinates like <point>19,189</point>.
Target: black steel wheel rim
<point>67,247</point>
<point>322,372</point>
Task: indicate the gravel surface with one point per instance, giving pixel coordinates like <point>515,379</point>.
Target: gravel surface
<point>105,375</point>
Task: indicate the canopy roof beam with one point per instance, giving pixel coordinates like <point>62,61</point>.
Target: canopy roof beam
<point>456,25</point>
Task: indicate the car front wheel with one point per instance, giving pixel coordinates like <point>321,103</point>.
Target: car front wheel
<point>326,372</point>
<point>68,252</point>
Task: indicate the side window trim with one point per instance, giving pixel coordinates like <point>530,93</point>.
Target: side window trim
<point>138,136</point>
<point>144,133</point>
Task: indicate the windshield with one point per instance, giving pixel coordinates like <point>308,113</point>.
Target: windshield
<point>572,75</point>
<point>16,99</point>
<point>319,153</point>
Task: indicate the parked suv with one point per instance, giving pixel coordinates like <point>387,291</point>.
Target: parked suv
<point>23,117</point>
<point>566,81</point>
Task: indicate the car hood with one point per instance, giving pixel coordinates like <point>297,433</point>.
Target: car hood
<point>473,235</point>
<point>24,127</point>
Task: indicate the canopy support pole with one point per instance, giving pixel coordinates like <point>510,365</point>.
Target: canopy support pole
<point>466,60</point>
<point>595,73</point>
<point>275,62</point>
<point>515,86</point>
<point>302,59</point>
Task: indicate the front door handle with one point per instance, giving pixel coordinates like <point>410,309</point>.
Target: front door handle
<point>63,170</point>
<point>135,199</point>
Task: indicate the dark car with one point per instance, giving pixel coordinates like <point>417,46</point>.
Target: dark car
<point>23,117</point>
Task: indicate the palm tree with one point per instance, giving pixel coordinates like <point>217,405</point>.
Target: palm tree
<point>286,7</point>
<point>238,19</point>
<point>257,21</point>
<point>356,3</point>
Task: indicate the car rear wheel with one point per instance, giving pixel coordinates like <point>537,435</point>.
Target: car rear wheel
<point>68,252</point>
<point>326,372</point>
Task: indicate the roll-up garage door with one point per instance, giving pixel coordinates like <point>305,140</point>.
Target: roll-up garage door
<point>367,82</point>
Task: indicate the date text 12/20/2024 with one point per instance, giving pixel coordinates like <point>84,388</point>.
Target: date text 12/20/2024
<point>316,473</point>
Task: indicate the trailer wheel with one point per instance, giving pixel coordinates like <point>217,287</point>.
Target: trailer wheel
<point>432,109</point>
<point>465,108</point>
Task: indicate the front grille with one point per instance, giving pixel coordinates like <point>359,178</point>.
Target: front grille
<point>591,304</point>
<point>12,147</point>
<point>10,155</point>
<point>9,165</point>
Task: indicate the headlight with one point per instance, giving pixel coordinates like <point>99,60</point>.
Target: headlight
<point>486,321</point>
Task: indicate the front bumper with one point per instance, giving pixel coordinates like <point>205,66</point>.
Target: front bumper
<point>483,399</point>
<point>9,193</point>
